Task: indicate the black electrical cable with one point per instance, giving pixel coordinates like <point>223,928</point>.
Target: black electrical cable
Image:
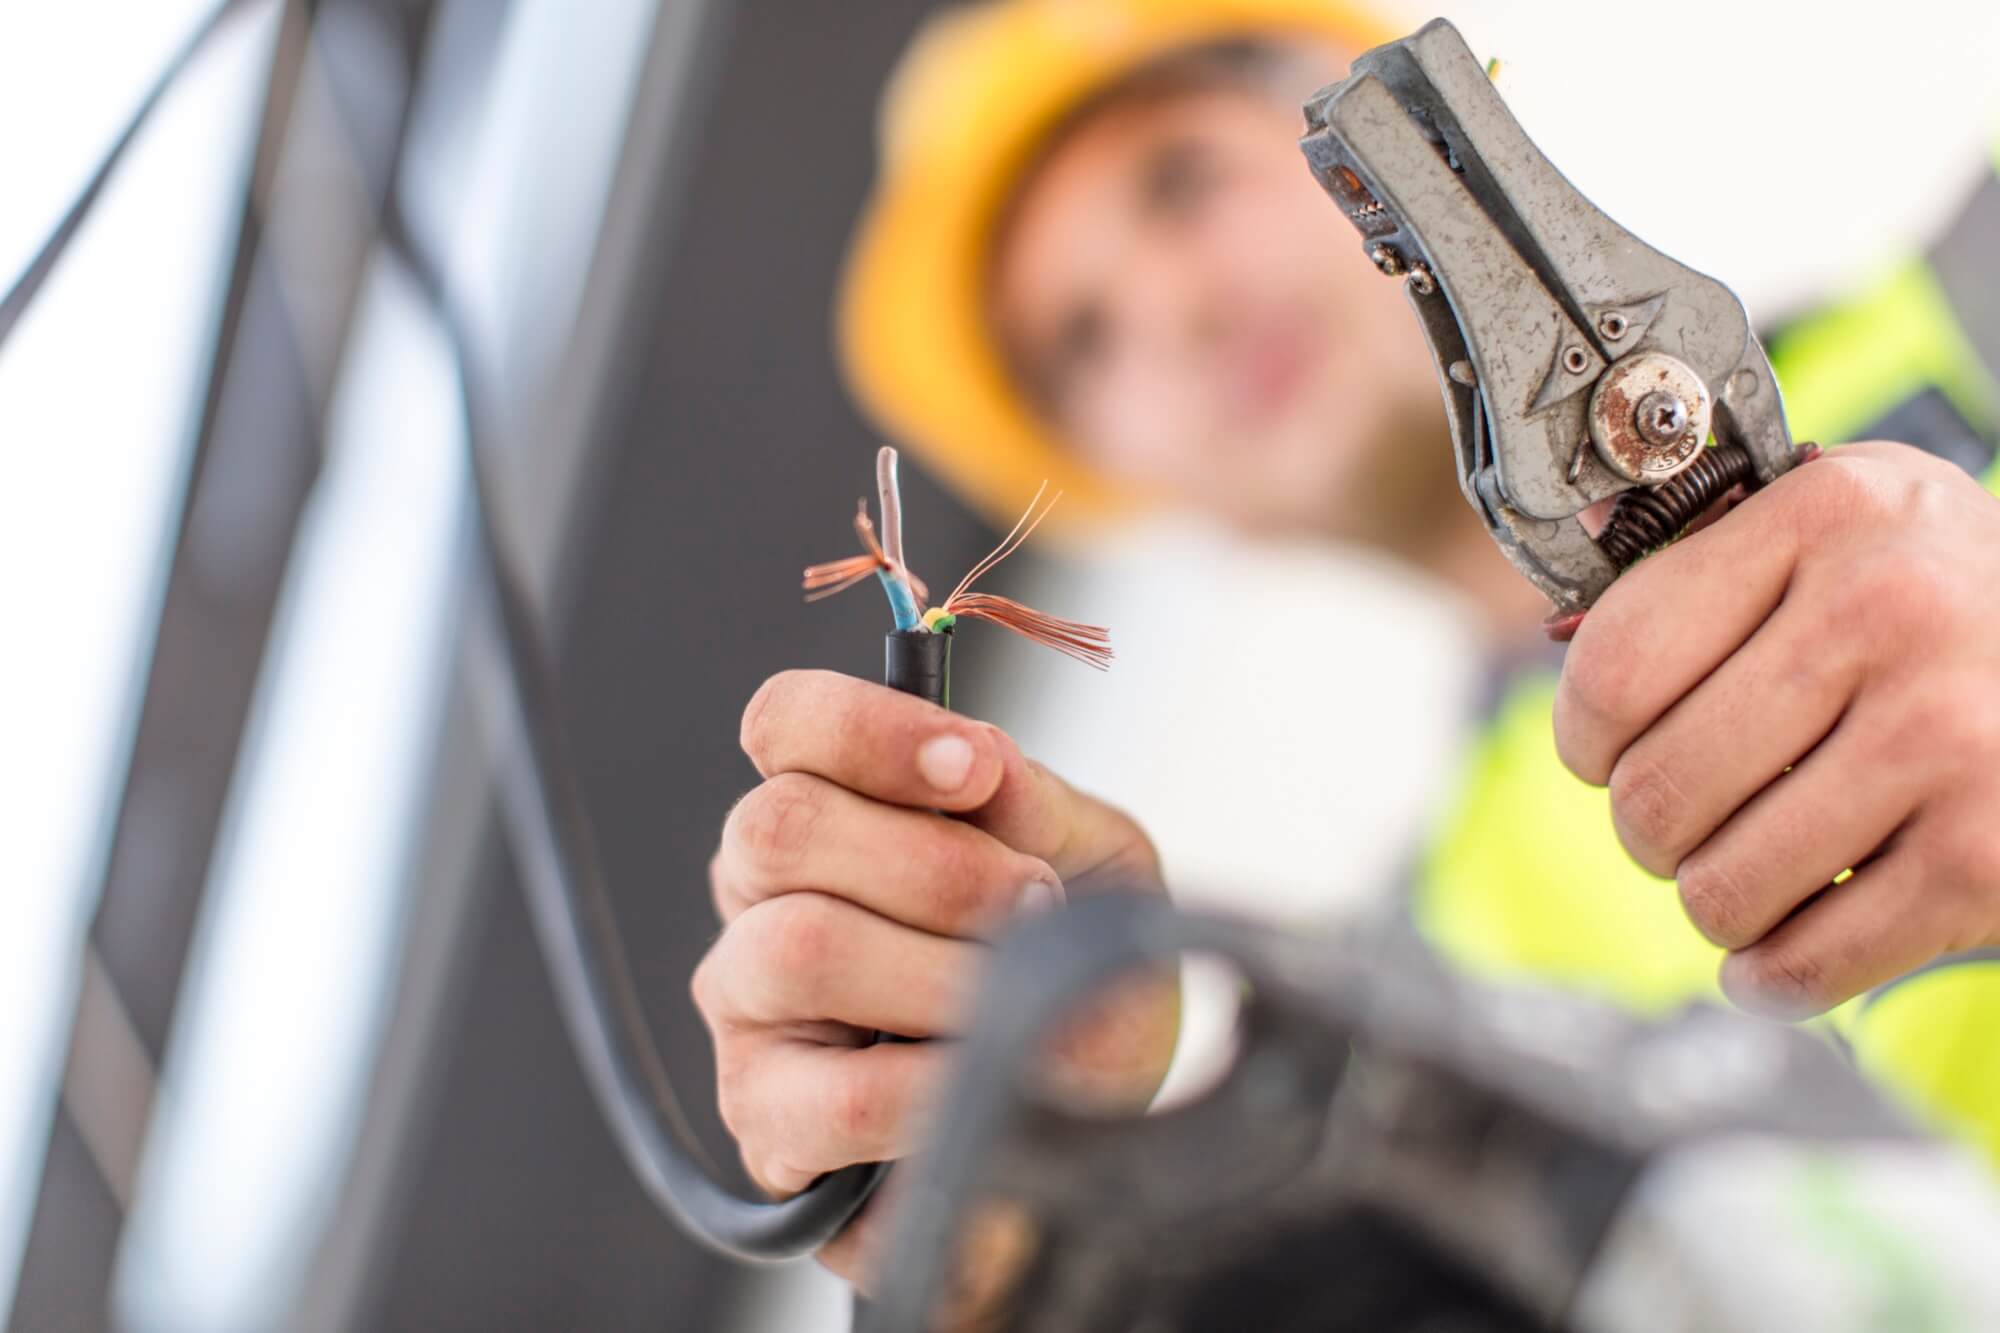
<point>918,662</point>
<point>561,874</point>
<point>571,905</point>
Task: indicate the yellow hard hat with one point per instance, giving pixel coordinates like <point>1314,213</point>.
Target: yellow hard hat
<point>961,118</point>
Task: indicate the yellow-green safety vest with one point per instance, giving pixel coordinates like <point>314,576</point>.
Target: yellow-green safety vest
<point>1526,877</point>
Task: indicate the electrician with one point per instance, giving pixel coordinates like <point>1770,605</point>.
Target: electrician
<point>1093,255</point>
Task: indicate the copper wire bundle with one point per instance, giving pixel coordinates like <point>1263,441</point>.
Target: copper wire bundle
<point>1090,644</point>
<point>824,580</point>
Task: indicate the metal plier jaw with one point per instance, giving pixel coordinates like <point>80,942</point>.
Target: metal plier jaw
<point>1577,362</point>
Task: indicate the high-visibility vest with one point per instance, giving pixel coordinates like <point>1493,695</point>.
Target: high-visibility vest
<point>1526,877</point>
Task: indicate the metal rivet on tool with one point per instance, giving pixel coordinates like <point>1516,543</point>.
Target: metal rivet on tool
<point>1576,360</point>
<point>1421,281</point>
<point>1612,325</point>
<point>1463,373</point>
<point>1387,260</point>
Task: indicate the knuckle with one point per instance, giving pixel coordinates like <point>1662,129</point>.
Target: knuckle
<point>1917,488</point>
<point>1970,696</point>
<point>1005,747</point>
<point>1977,729</point>
<point>967,882</point>
<point>792,935</point>
<point>857,1111</point>
<point>731,1102</point>
<point>1970,858</point>
<point>1859,594</point>
<point>959,898</point>
<point>1828,668</point>
<point>1930,718</point>
<point>1791,978</point>
<point>717,984</point>
<point>1594,678</point>
<point>1598,689</point>
<point>703,990</point>
<point>1650,812</point>
<point>772,1171</point>
<point>775,823</point>
<point>1926,591</point>
<point>1894,452</point>
<point>759,714</point>
<point>718,893</point>
<point>1715,904</point>
<point>1898,590</point>
<point>729,1107</point>
<point>1837,489</point>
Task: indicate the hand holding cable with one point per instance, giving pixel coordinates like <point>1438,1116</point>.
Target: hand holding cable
<point>570,902</point>
<point>859,885</point>
<point>888,843</point>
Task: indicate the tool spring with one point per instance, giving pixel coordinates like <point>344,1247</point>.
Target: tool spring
<point>1644,520</point>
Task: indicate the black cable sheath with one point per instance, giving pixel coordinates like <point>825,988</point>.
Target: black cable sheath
<point>562,877</point>
<point>571,905</point>
<point>918,662</point>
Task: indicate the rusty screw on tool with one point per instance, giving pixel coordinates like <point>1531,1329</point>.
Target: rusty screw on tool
<point>1649,415</point>
<point>1612,325</point>
<point>1662,418</point>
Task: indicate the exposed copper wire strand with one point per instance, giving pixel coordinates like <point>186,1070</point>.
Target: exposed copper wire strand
<point>1008,544</point>
<point>837,576</point>
<point>834,576</point>
<point>1089,644</point>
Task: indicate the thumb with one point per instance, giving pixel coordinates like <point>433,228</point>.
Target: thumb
<point>1080,837</point>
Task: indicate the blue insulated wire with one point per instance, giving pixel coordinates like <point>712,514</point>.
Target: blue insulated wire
<point>901,602</point>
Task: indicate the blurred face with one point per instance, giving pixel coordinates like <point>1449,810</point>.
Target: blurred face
<point>1189,310</point>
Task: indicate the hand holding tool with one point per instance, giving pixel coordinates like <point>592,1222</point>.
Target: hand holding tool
<point>1578,363</point>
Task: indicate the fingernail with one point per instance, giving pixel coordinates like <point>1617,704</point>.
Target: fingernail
<point>1036,896</point>
<point>945,761</point>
